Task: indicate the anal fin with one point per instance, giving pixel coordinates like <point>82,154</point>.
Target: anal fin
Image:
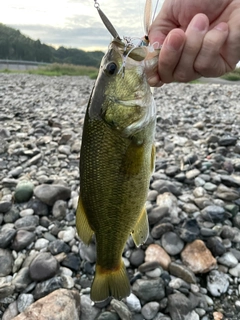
<point>140,232</point>
<point>83,228</point>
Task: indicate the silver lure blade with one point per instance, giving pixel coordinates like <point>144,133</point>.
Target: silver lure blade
<point>108,24</point>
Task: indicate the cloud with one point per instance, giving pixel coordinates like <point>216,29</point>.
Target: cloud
<point>85,29</point>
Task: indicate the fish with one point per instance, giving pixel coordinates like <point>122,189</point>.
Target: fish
<point>116,162</point>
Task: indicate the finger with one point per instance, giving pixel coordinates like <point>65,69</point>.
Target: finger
<point>170,54</point>
<point>195,33</point>
<point>209,62</point>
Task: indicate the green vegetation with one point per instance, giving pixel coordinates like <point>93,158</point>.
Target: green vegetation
<point>16,46</point>
<point>232,76</point>
<point>57,69</point>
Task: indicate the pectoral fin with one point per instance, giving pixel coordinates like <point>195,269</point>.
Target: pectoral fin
<point>153,154</point>
<point>83,228</point>
<point>140,232</point>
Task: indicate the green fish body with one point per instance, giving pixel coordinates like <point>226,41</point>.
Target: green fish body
<point>116,162</point>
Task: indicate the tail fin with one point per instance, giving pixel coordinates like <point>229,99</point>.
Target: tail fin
<point>109,283</point>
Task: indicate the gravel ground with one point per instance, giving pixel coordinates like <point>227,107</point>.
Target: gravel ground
<point>189,268</point>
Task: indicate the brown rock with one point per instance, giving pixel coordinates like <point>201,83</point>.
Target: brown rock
<point>217,315</point>
<point>60,304</point>
<point>197,257</point>
<point>156,253</point>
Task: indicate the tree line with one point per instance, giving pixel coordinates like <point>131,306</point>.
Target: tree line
<point>16,46</point>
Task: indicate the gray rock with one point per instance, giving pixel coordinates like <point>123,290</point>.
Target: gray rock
<point>6,290</point>
<point>6,262</point>
<point>39,208</point>
<point>58,246</point>
<point>5,206</point>
<point>88,311</point>
<point>59,209</point>
<point>44,266</point>
<point>88,252</point>
<point>192,174</point>
<point>217,283</point>
<point>210,186</point>
<point>107,315</point>
<point>179,306</point>
<point>24,300</point>
<point>235,271</point>
<point>163,186</point>
<point>22,240</point>
<point>49,194</point>
<point>6,237</point>
<point>182,272</point>
<point>150,309</point>
<point>45,287</point>
<point>11,216</point>
<point>11,311</point>
<point>149,290</point>
<point>133,303</point>
<point>22,279</point>
<point>148,266</point>
<point>213,213</point>
<point>137,257</point>
<point>228,260</point>
<point>172,243</point>
<point>121,309</point>
<point>160,229</point>
<point>28,223</point>
<point>226,193</point>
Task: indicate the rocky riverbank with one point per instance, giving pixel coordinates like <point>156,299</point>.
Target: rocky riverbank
<point>190,266</point>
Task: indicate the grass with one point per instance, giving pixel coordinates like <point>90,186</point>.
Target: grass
<point>232,76</point>
<point>57,69</point>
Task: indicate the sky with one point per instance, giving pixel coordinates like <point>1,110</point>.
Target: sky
<point>73,23</point>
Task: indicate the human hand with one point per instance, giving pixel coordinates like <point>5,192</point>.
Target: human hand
<point>198,38</point>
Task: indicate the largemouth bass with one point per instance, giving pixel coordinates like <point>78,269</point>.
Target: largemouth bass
<point>116,162</point>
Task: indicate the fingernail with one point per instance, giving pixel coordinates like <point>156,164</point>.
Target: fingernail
<point>222,26</point>
<point>199,24</point>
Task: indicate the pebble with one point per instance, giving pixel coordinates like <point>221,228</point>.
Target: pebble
<point>133,303</point>
<point>171,243</point>
<point>67,235</point>
<point>149,290</point>
<point>22,239</point>
<point>24,191</point>
<point>197,257</point>
<point>49,194</point>
<point>121,309</point>
<point>150,309</point>
<point>228,260</point>
<point>155,253</point>
<point>44,266</point>
<point>6,262</point>
<point>182,272</point>
<point>217,283</point>
<point>88,311</point>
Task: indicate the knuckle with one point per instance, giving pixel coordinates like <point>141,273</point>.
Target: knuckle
<point>181,76</point>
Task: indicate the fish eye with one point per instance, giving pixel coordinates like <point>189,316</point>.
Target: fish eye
<point>111,68</point>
